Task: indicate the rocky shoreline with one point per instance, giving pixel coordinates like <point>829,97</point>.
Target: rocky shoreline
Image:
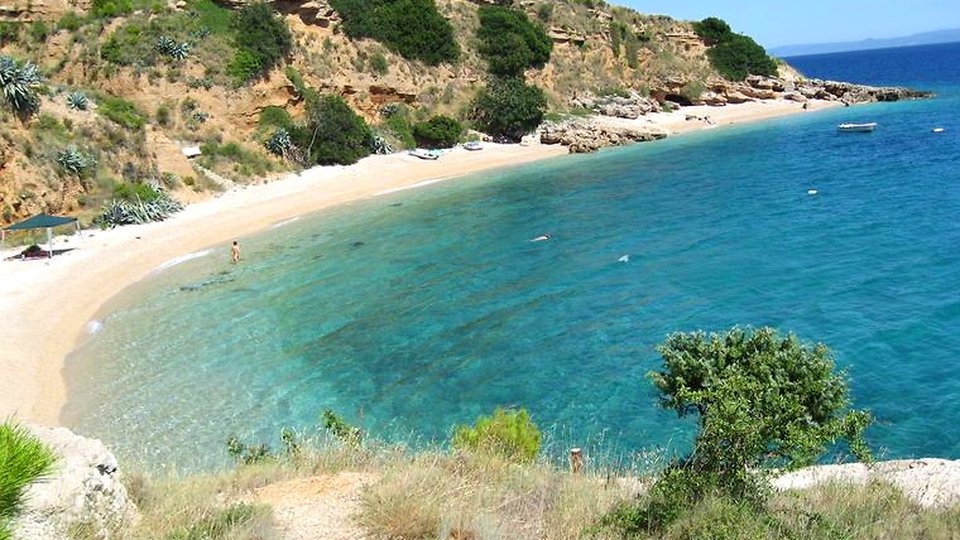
<point>588,134</point>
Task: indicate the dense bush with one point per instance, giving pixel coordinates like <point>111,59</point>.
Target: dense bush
<point>19,83</point>
<point>509,108</point>
<point>334,134</point>
<point>122,112</point>
<point>509,434</point>
<point>412,28</point>
<point>111,8</point>
<point>734,55</point>
<point>740,56</point>
<point>397,122</point>
<point>438,132</point>
<point>510,42</point>
<point>23,459</point>
<point>762,402</point>
<point>262,38</point>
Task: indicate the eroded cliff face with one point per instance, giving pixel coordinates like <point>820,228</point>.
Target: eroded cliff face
<point>598,52</point>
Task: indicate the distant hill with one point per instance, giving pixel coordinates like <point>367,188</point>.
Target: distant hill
<point>926,38</point>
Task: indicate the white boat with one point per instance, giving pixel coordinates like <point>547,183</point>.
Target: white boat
<point>472,146</point>
<point>423,153</point>
<point>858,128</point>
<point>938,130</point>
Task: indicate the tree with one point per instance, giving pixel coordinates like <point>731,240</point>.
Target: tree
<point>712,30</point>
<point>334,134</point>
<point>509,108</point>
<point>262,37</point>
<point>510,43</point>
<point>438,132</point>
<point>762,401</point>
<point>740,56</point>
<point>412,28</point>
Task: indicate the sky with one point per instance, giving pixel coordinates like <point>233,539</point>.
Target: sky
<point>774,24</point>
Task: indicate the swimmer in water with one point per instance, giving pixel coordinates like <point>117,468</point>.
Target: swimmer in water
<point>540,238</point>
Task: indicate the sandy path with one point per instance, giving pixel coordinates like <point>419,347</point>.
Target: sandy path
<point>46,304</point>
<point>317,507</point>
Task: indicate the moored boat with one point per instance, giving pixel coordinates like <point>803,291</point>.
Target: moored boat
<point>423,153</point>
<point>858,128</point>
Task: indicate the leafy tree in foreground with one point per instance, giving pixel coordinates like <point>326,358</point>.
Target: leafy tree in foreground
<point>762,401</point>
<point>510,42</point>
<point>509,108</point>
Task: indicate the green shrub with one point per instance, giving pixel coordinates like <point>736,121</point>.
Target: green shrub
<point>438,132</point>
<point>712,30</point>
<point>215,18</point>
<point>106,9</point>
<point>135,191</point>
<point>263,35</point>
<point>334,134</point>
<point>343,431</point>
<point>733,55</point>
<point>510,43</point>
<point>509,434</point>
<point>39,31</point>
<point>397,122</point>
<point>412,28</point>
<point>378,63</point>
<point>70,21</point>
<point>122,112</point>
<point>740,56</point>
<point>275,117</point>
<point>23,459</point>
<point>10,31</point>
<point>509,108</point>
<point>163,115</point>
<point>545,11</point>
<point>244,66</point>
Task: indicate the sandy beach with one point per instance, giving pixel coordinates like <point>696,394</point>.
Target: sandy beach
<point>48,303</point>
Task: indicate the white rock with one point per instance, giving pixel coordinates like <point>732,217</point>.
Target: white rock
<point>85,489</point>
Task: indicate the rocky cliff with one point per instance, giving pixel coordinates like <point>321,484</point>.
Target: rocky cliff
<point>606,59</point>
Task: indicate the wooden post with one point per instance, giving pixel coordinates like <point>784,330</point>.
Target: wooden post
<point>576,460</point>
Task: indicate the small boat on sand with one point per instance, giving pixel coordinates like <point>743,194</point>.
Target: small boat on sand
<point>857,128</point>
<point>423,153</point>
<point>473,146</point>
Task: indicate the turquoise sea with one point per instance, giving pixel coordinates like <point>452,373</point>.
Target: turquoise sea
<point>411,312</point>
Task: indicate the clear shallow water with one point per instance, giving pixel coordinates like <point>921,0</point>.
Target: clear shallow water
<point>414,311</point>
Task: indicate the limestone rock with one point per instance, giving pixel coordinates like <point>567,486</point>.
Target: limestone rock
<point>631,106</point>
<point>584,136</point>
<point>929,482</point>
<point>85,490</point>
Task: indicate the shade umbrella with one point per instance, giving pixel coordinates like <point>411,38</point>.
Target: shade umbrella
<point>43,221</point>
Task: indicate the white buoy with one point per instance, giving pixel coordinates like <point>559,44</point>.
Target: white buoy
<point>811,192</point>
<point>938,130</point>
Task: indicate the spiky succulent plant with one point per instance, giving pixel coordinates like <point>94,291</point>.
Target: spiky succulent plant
<point>72,161</point>
<point>19,82</point>
<point>379,145</point>
<point>77,101</point>
<point>279,143</point>
<point>166,46</point>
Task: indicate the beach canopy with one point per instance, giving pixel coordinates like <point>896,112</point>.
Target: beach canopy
<point>43,221</point>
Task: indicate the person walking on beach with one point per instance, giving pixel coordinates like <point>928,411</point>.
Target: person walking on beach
<point>235,252</point>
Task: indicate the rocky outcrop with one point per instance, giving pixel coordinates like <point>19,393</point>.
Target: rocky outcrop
<point>85,491</point>
<point>583,136</point>
<point>632,105</point>
<point>928,482</point>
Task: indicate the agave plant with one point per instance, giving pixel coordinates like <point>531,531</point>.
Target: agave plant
<point>19,83</point>
<point>77,101</point>
<point>73,161</point>
<point>164,45</point>
<point>279,143</point>
<point>123,212</point>
<point>180,51</point>
<point>379,145</point>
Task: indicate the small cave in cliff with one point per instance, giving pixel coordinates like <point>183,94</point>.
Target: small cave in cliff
<point>678,99</point>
